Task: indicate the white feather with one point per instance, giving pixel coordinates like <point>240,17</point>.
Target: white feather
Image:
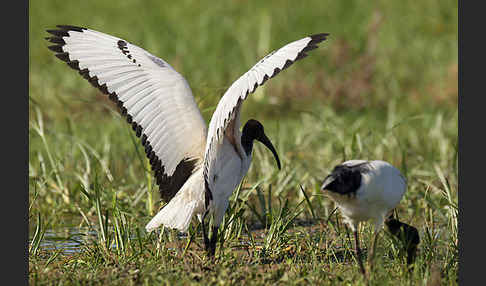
<point>179,211</point>
<point>146,87</point>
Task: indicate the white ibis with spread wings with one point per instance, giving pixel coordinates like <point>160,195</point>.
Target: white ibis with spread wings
<point>196,168</point>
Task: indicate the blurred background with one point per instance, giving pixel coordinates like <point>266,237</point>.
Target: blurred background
<point>383,86</point>
<point>376,53</point>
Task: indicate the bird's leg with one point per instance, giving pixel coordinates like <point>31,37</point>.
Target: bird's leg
<point>356,244</point>
<point>373,249</point>
<point>347,233</point>
<point>212,242</point>
<point>205,235</point>
<point>358,252</point>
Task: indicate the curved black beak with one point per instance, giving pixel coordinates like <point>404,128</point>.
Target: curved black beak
<point>327,181</point>
<point>264,139</point>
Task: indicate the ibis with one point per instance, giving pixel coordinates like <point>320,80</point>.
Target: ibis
<point>196,167</point>
<point>366,191</point>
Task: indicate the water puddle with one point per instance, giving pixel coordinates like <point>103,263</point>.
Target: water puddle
<point>71,240</point>
<point>68,240</point>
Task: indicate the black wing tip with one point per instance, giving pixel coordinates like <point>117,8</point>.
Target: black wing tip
<point>55,40</point>
<point>317,38</point>
<point>59,34</point>
<point>63,57</point>
<point>63,30</point>
<point>56,48</point>
<point>71,28</point>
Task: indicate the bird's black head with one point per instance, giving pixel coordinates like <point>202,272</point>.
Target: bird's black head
<point>253,130</point>
<point>343,180</point>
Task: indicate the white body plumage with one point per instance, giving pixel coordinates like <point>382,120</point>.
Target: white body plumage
<point>190,200</point>
<point>381,188</point>
<point>233,164</point>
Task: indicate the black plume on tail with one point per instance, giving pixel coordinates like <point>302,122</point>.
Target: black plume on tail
<point>407,234</point>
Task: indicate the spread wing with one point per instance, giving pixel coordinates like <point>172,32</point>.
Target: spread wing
<point>156,100</point>
<point>230,104</point>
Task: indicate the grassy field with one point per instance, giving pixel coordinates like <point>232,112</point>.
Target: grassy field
<point>383,86</point>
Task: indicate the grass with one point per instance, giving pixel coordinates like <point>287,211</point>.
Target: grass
<point>384,86</point>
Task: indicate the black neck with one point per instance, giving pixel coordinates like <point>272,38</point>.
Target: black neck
<point>247,142</point>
